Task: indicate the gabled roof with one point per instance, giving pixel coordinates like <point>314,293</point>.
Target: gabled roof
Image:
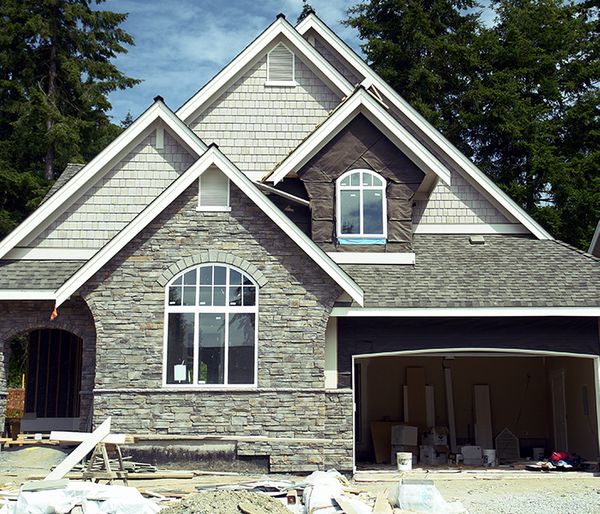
<point>99,165</point>
<point>363,102</point>
<point>278,29</point>
<point>425,129</point>
<point>212,157</point>
<point>68,173</point>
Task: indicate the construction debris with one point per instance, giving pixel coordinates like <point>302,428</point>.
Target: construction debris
<point>228,502</point>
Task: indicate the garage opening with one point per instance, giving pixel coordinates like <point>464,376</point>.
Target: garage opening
<point>44,382</point>
<point>536,403</point>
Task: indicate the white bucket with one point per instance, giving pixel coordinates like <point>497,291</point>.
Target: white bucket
<point>489,458</point>
<point>404,461</point>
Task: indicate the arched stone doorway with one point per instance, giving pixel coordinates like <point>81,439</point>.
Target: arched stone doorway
<point>60,366</point>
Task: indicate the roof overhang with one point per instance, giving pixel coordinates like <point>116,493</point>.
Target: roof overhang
<point>212,157</point>
<point>421,124</point>
<point>101,163</point>
<point>361,102</point>
<point>27,294</point>
<point>279,30</point>
<point>595,244</point>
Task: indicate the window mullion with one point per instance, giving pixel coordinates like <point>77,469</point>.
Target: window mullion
<point>361,211</point>
<point>196,347</point>
<point>226,342</point>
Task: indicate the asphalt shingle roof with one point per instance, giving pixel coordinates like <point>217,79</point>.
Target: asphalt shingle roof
<point>507,271</point>
<point>30,274</point>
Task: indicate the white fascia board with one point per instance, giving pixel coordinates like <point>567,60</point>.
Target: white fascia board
<point>471,312</point>
<point>371,258</point>
<point>474,228</point>
<point>361,102</point>
<point>90,172</point>
<point>51,254</point>
<point>422,124</point>
<point>284,223</point>
<point>27,294</point>
<point>595,242</point>
<point>212,156</point>
<point>278,28</point>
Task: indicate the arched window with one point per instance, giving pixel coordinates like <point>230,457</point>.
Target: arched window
<point>361,205</point>
<point>211,327</point>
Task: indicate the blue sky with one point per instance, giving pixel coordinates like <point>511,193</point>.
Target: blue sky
<point>182,44</point>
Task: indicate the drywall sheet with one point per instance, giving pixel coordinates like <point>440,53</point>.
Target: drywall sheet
<point>415,382</point>
<point>483,417</point>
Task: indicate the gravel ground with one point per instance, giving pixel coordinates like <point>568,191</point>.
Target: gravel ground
<point>226,502</point>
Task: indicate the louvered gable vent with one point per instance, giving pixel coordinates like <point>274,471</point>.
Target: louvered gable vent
<point>214,191</point>
<point>280,64</point>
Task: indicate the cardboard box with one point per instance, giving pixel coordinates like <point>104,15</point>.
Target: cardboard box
<point>435,436</point>
<point>430,456</point>
<point>405,434</point>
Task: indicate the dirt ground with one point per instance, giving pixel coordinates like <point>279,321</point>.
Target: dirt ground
<point>481,491</point>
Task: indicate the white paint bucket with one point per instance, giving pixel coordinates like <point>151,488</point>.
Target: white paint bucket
<point>489,458</point>
<point>404,461</point>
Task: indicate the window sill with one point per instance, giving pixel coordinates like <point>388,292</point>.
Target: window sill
<point>209,387</point>
<point>213,208</point>
<point>291,83</point>
<point>362,240</point>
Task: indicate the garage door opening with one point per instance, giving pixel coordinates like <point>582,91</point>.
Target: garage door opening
<point>546,401</point>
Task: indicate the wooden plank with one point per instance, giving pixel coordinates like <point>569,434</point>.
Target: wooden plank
<point>346,506</point>
<point>80,452</point>
<point>430,406</point>
<point>79,437</point>
<point>450,406</point>
<point>415,381</point>
<point>483,417</point>
<point>382,505</point>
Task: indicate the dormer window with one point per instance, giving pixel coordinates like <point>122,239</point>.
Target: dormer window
<point>281,67</point>
<point>361,208</point>
<point>213,194</point>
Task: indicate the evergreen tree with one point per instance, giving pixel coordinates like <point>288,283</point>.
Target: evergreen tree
<point>55,75</point>
<point>127,120</point>
<point>425,50</point>
<point>520,98</point>
<point>306,10</point>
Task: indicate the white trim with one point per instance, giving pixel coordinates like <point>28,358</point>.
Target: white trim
<point>51,254</point>
<point>279,27</point>
<point>89,174</point>
<point>360,102</point>
<point>423,312</point>
<point>27,294</point>
<point>212,156</point>
<point>597,395</point>
<point>196,310</point>
<point>595,241</point>
<point>283,194</point>
<point>270,83</point>
<point>360,188</point>
<point>473,228</point>
<point>160,137</point>
<point>372,258</point>
<point>362,68</point>
<point>214,208</point>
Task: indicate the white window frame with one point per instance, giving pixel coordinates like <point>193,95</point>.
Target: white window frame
<point>281,83</point>
<point>360,188</point>
<point>214,208</point>
<point>196,310</point>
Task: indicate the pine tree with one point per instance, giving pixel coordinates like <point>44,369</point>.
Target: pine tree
<point>306,10</point>
<point>57,76</point>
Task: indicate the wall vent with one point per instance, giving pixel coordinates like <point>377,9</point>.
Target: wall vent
<point>281,66</point>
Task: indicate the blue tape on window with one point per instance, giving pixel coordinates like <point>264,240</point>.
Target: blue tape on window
<point>360,241</point>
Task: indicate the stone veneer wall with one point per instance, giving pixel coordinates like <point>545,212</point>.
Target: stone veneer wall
<point>18,318</point>
<point>127,299</point>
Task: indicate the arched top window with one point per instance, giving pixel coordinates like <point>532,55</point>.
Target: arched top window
<point>211,327</point>
<point>361,206</point>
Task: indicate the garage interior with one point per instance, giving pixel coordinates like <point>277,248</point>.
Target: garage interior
<point>547,401</point>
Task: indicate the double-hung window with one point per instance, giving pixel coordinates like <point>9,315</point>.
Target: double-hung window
<point>211,316</point>
<point>361,207</point>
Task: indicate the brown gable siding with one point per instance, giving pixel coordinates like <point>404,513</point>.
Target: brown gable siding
<point>361,145</point>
